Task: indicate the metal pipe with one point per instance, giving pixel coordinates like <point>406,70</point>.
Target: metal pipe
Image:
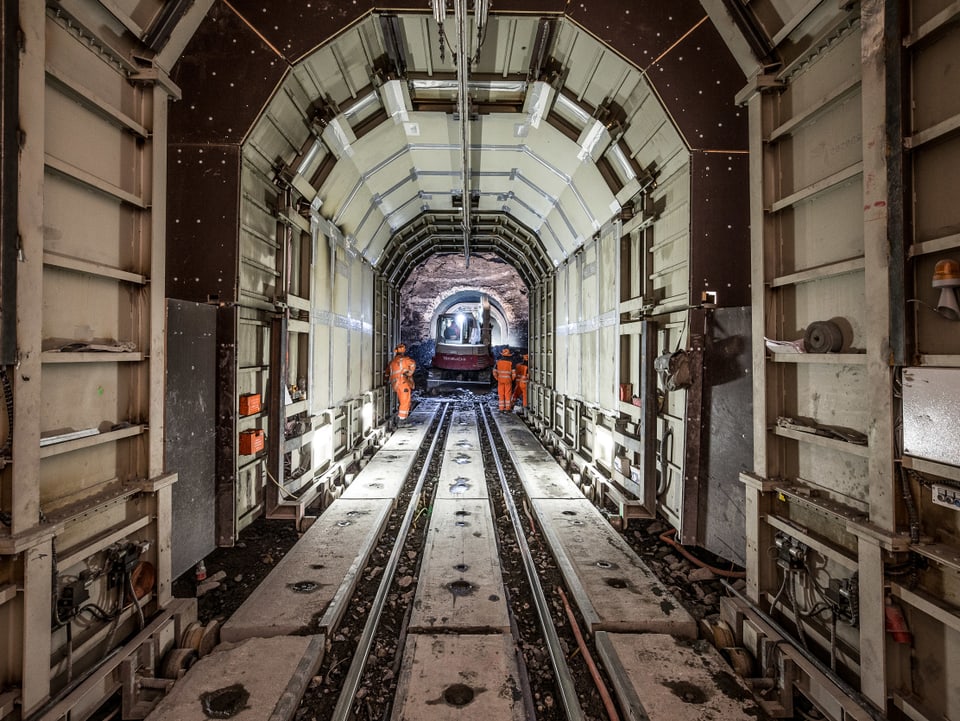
<point>359,663</point>
<point>846,688</point>
<point>565,684</point>
<point>463,107</point>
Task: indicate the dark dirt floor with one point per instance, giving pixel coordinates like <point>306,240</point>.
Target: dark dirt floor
<point>261,545</point>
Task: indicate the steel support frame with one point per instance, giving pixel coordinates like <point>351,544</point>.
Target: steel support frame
<point>9,162</point>
<point>883,205</point>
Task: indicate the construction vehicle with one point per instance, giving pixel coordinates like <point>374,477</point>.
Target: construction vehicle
<point>462,356</point>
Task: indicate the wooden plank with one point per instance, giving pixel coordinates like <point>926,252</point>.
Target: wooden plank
<point>58,260</point>
<point>55,357</point>
<point>823,442</point>
<point>821,186</point>
<point>848,359</point>
<point>92,181</point>
<point>70,556</point>
<point>94,102</point>
<point>938,552</point>
<point>944,127</point>
<point>829,270</point>
<point>932,467</point>
<point>822,546</point>
<point>934,245</point>
<point>818,106</point>
<point>946,16</point>
<point>90,441</point>
<point>931,606</point>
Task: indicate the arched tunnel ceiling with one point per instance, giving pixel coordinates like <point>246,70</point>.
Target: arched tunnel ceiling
<point>243,48</point>
<point>392,191</point>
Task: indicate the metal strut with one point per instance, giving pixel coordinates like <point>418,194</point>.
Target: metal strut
<point>463,108</point>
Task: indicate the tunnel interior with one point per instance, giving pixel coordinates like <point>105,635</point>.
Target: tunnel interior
<point>223,215</point>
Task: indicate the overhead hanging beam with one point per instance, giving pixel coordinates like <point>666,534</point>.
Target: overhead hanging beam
<point>463,108</point>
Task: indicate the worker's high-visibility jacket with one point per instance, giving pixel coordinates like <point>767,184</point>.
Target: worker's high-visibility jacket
<point>520,390</point>
<point>401,371</point>
<point>401,366</point>
<point>504,373</point>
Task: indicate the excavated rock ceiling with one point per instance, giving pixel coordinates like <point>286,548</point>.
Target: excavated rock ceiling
<point>443,275</point>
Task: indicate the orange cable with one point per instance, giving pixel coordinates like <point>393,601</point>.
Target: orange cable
<point>667,537</point>
<point>598,682</point>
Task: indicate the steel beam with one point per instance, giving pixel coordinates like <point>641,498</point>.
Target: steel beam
<point>463,107</point>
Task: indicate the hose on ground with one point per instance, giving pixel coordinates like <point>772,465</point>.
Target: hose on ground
<point>667,537</point>
<point>585,652</point>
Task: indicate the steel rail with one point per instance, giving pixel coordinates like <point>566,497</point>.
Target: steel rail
<point>352,682</point>
<point>565,683</point>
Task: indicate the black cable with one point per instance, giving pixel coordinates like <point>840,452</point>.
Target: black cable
<point>8,402</point>
<point>911,505</point>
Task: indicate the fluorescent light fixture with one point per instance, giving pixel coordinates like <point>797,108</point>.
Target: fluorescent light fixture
<point>309,157</point>
<point>572,108</point>
<point>621,162</point>
<point>366,414</point>
<point>361,104</point>
<point>491,86</point>
<point>322,445</point>
<point>604,442</point>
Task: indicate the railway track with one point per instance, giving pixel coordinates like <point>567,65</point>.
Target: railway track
<point>435,587</point>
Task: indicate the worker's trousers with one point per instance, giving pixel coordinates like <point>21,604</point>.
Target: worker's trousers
<point>505,391</point>
<point>404,390</point>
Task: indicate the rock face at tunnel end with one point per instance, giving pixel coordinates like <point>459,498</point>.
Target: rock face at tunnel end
<point>441,276</point>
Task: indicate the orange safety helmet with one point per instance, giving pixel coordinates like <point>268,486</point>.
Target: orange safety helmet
<point>401,348</point>
<point>526,357</point>
<point>506,353</point>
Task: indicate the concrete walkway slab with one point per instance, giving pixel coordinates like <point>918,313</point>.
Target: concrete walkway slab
<point>410,433</point>
<point>516,435</point>
<point>382,477</point>
<point>310,588</point>
<point>672,680</point>
<point>461,476</point>
<point>542,477</point>
<point>461,584</point>
<point>454,678</point>
<point>463,435</point>
<point>613,588</point>
<point>264,678</point>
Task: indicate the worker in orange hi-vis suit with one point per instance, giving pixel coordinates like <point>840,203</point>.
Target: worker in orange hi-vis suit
<point>401,371</point>
<point>523,375</point>
<point>504,373</point>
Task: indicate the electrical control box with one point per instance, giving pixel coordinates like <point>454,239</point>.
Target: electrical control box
<point>947,496</point>
<point>931,414</point>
